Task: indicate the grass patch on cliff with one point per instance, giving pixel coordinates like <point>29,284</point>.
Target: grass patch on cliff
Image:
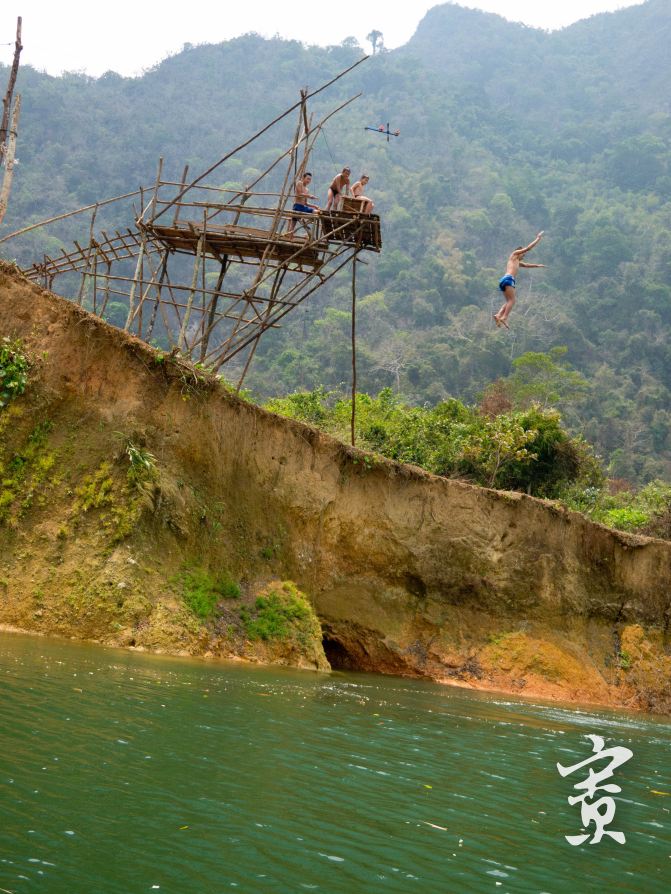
<point>201,591</point>
<point>280,612</point>
<point>119,505</point>
<point>27,474</point>
<point>96,489</point>
<point>142,465</point>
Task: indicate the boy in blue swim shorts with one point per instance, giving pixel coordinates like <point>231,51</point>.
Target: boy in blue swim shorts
<point>507,283</point>
<point>302,196</point>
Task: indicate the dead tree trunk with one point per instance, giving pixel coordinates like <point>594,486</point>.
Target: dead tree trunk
<point>7,101</point>
<point>9,158</point>
<point>9,126</point>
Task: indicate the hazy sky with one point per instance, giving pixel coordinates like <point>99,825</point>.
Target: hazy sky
<point>125,36</point>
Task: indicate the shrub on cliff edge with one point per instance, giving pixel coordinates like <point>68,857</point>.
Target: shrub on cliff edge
<point>14,367</point>
<point>526,450</point>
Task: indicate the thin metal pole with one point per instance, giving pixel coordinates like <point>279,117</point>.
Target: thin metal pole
<point>354,262</point>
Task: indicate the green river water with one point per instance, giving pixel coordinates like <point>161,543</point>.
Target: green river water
<point>128,773</point>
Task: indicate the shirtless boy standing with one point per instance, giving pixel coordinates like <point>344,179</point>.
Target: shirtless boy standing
<point>507,283</point>
<point>302,203</point>
<point>339,187</point>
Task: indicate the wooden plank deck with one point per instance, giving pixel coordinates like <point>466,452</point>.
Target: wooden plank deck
<point>240,242</point>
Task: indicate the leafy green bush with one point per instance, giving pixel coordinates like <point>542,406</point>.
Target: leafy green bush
<point>279,613</point>
<point>14,366</point>
<point>201,591</point>
<point>525,450</point>
<point>626,519</point>
<point>647,511</point>
<point>308,406</point>
<point>545,380</point>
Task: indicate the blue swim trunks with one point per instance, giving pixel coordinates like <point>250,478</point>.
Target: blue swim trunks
<point>305,209</point>
<point>507,280</point>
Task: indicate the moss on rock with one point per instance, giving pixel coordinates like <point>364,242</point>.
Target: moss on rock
<point>282,624</point>
<point>646,667</point>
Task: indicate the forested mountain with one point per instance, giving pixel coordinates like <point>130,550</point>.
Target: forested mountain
<point>505,130</point>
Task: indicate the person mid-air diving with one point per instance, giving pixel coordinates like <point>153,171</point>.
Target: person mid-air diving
<point>507,283</point>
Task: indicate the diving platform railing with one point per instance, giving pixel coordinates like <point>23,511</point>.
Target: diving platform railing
<point>247,233</point>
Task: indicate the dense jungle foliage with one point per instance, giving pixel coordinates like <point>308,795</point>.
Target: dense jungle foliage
<point>505,130</point>
<point>492,444</point>
<point>526,450</point>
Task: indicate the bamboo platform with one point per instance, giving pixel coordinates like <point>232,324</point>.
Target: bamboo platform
<point>363,231</point>
<point>240,242</point>
<point>253,259</point>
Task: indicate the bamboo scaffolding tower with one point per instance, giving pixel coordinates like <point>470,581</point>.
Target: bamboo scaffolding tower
<point>247,270</point>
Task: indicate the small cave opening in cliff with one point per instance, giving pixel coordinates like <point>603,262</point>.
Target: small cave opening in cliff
<point>339,656</point>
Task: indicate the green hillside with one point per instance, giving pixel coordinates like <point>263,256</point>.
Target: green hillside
<point>505,130</point>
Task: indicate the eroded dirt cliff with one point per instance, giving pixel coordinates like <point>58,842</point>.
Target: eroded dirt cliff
<point>408,573</point>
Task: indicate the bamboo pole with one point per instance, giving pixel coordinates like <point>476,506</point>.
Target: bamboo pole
<point>141,302</point>
<point>92,245</point>
<point>157,185</point>
<point>164,313</point>
<point>203,281</point>
<point>95,283</point>
<point>181,342</point>
<point>213,309</point>
<point>50,220</point>
<point>106,288</point>
<point>229,351</point>
<point>152,321</point>
<point>279,277</point>
<point>185,174</point>
<point>131,296</point>
<point>141,282</point>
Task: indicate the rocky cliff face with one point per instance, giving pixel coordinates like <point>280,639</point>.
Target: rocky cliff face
<point>408,573</point>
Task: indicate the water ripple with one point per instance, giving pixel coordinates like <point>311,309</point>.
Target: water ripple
<point>129,773</point>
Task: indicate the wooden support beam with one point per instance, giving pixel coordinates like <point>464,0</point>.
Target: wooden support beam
<point>82,285</point>
<point>230,350</point>
<point>182,185</point>
<point>213,309</point>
